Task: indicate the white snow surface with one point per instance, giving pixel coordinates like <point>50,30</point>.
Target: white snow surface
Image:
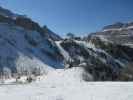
<point>66,84</point>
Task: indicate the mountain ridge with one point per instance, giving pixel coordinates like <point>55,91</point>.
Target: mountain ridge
<point>31,49</point>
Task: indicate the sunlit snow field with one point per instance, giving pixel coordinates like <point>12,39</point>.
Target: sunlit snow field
<point>67,85</point>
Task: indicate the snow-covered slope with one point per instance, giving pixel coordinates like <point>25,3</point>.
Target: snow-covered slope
<point>62,51</point>
<point>23,49</point>
<point>25,46</point>
<point>103,59</point>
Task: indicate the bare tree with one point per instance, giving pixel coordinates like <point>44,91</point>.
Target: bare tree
<point>6,72</point>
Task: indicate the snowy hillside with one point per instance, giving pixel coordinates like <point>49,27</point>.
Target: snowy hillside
<point>25,46</point>
<point>22,49</point>
<point>101,58</point>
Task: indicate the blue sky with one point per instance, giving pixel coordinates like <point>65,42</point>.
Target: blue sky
<point>77,16</point>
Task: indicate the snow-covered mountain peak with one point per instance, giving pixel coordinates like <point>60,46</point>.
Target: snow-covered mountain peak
<point>118,26</point>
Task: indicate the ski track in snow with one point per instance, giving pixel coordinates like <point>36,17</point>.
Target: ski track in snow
<point>63,52</point>
<point>63,84</point>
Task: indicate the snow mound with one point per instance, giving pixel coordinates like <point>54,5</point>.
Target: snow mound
<point>64,76</point>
